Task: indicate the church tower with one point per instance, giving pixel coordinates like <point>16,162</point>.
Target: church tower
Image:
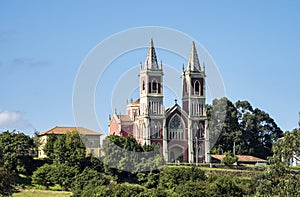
<point>151,116</point>
<point>193,103</point>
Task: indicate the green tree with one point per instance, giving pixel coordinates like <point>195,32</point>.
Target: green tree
<point>287,147</point>
<point>6,183</point>
<point>252,131</point>
<point>279,179</point>
<point>87,180</point>
<point>44,176</point>
<point>225,186</point>
<point>223,124</point>
<point>170,177</point>
<point>67,148</point>
<point>229,158</point>
<point>127,156</point>
<point>15,148</point>
<point>64,175</point>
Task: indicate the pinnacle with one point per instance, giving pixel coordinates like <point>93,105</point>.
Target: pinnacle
<point>151,60</point>
<point>193,62</point>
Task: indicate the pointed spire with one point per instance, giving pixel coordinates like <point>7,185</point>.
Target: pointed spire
<point>193,63</point>
<point>151,61</point>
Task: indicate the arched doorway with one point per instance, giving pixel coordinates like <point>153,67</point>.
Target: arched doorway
<point>176,154</point>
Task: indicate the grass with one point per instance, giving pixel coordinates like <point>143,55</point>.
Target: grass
<point>41,193</point>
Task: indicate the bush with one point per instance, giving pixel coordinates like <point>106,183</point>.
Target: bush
<point>88,180</point>
<point>225,186</point>
<point>229,159</point>
<point>170,177</point>
<point>44,176</point>
<point>6,183</point>
<point>124,189</point>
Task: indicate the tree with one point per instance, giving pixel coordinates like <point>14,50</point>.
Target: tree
<point>279,179</point>
<point>15,150</point>
<point>229,158</point>
<point>44,176</point>
<point>87,180</point>
<point>259,130</point>
<point>6,183</point>
<point>170,177</point>
<point>67,148</point>
<point>251,131</point>
<point>287,148</point>
<point>64,175</point>
<point>127,156</point>
<point>223,124</point>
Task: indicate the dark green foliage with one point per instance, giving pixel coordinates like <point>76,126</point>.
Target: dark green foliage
<point>44,176</point>
<point>191,188</point>
<point>170,177</point>
<point>15,148</point>
<point>229,158</point>
<point>279,180</point>
<point>93,163</point>
<point>64,175</point>
<point>252,130</point>
<point>6,183</point>
<point>123,190</point>
<point>225,186</point>
<point>288,146</point>
<point>67,148</point>
<point>125,157</point>
<point>87,180</point>
<point>148,179</point>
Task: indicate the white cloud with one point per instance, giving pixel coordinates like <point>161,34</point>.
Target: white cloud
<point>13,120</point>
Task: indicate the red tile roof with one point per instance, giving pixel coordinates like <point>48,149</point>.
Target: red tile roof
<point>125,118</point>
<point>241,158</point>
<point>63,130</point>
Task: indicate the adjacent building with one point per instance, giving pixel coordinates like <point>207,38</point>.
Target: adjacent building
<point>91,139</point>
<point>180,130</point>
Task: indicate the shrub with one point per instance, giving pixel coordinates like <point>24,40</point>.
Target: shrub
<point>44,176</point>
<point>229,158</point>
<point>6,183</point>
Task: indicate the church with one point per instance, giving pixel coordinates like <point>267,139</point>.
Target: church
<point>178,131</point>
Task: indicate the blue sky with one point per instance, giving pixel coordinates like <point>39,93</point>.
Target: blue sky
<point>255,45</point>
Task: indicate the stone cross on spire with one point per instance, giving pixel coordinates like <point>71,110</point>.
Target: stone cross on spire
<point>193,63</point>
<point>151,60</point>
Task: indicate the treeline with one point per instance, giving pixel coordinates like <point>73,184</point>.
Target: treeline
<point>128,168</point>
<point>69,167</point>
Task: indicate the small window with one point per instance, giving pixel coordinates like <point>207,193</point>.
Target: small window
<point>154,86</point>
<point>143,85</point>
<point>197,87</point>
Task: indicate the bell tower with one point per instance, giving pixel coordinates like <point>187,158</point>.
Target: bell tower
<point>193,103</point>
<point>152,116</point>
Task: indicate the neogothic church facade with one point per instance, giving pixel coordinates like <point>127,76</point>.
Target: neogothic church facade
<point>178,131</point>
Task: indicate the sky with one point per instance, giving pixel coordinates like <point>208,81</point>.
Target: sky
<point>255,45</point>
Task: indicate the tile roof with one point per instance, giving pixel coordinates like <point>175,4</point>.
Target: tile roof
<point>137,101</point>
<point>125,118</point>
<point>241,158</point>
<point>63,130</point>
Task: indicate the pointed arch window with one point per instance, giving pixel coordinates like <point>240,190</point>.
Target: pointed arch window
<point>176,128</point>
<point>197,88</point>
<point>154,86</point>
<point>153,130</point>
<point>158,130</point>
<point>143,85</point>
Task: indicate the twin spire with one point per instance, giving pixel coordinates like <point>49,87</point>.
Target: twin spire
<point>151,60</point>
<point>193,63</point>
